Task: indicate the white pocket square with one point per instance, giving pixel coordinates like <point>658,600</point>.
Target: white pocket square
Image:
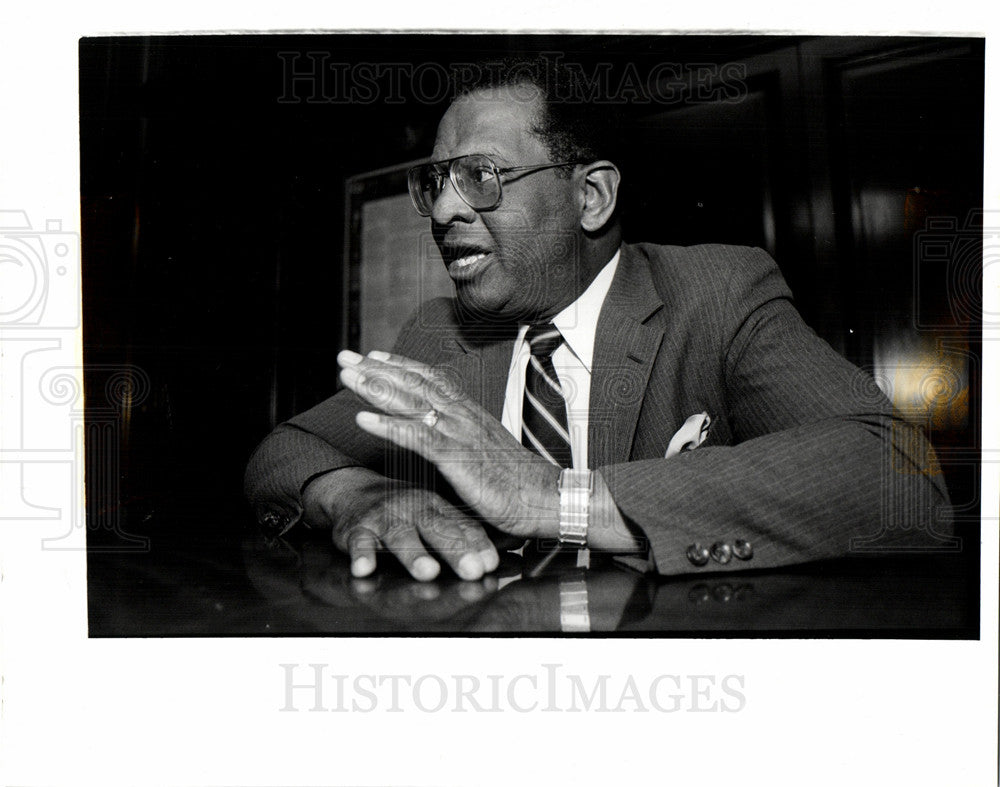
<point>691,435</point>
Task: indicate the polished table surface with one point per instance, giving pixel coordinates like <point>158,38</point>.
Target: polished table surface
<point>249,585</point>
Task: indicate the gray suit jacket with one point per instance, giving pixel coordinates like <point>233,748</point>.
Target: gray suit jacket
<point>805,458</point>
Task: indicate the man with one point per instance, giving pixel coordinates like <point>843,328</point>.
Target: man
<point>559,395</point>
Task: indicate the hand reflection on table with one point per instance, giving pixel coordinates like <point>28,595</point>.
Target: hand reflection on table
<point>510,599</point>
<point>306,587</point>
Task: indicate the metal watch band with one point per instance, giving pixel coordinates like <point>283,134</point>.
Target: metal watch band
<point>575,490</point>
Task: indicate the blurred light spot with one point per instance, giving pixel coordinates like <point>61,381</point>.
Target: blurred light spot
<point>926,384</point>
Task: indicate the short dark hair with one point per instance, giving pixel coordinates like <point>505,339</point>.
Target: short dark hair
<point>573,126</point>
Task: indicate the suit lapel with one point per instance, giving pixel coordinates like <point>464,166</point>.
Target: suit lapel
<point>495,364</point>
<point>483,368</point>
<point>624,351</point>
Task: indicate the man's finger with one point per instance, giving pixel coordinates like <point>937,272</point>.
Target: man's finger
<point>412,435</point>
<point>386,388</point>
<point>441,386</point>
<point>478,541</point>
<point>401,361</point>
<point>434,387</point>
<point>404,542</point>
<point>448,536</point>
<point>361,546</point>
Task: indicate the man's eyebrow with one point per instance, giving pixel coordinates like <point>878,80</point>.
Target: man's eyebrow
<point>497,156</point>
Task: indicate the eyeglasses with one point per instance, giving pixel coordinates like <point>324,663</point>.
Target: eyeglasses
<point>476,178</point>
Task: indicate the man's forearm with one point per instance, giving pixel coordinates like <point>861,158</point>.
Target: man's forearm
<point>328,498</point>
<point>279,468</point>
<point>608,529</point>
<point>804,494</point>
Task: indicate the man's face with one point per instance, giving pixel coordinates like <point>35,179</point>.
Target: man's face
<point>519,261</point>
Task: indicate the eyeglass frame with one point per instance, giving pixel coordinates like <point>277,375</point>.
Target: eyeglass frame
<point>499,173</point>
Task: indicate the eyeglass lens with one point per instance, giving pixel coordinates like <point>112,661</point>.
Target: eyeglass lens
<point>474,176</point>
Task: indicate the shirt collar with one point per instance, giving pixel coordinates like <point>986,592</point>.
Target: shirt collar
<point>578,322</point>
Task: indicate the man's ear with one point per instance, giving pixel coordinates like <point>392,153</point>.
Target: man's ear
<point>600,194</point>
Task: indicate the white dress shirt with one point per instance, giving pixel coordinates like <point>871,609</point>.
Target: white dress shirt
<point>573,361</point>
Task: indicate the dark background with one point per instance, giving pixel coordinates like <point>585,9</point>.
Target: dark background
<point>213,201</point>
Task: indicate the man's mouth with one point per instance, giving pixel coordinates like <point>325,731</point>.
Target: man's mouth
<point>464,262</point>
<point>469,259</point>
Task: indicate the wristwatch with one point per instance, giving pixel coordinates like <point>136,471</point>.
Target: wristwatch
<point>575,490</point>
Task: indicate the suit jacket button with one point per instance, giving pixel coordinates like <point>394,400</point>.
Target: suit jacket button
<point>742,549</point>
<point>721,552</point>
<point>697,554</point>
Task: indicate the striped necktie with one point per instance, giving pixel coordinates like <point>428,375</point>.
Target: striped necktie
<point>543,413</point>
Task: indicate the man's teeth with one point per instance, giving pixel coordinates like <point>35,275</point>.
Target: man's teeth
<point>464,261</point>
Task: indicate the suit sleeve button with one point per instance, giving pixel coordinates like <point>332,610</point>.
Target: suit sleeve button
<point>272,522</point>
<point>697,554</point>
<point>721,552</point>
<point>742,549</point>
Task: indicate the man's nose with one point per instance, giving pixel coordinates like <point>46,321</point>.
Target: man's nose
<point>449,207</point>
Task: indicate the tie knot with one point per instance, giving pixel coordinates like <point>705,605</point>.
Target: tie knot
<point>543,340</point>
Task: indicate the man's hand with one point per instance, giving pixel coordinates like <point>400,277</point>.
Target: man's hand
<point>424,411</point>
<point>367,512</point>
